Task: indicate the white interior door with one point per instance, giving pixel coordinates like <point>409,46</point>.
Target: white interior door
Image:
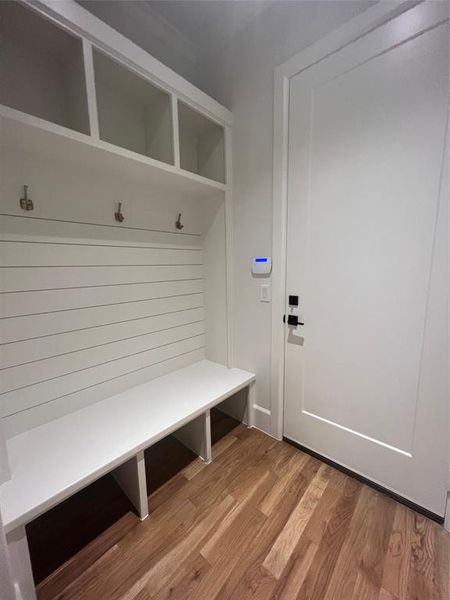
<point>366,376</point>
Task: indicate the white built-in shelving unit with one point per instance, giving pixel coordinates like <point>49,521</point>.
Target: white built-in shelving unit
<point>63,92</point>
<point>89,123</point>
<point>115,239</point>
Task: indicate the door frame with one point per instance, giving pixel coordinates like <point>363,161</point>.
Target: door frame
<point>368,21</point>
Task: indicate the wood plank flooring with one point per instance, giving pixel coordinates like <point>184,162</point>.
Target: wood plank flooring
<point>263,521</point>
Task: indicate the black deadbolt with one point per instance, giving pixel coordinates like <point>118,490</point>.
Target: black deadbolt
<point>293,300</point>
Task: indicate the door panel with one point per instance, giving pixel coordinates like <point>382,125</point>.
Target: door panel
<point>367,254</point>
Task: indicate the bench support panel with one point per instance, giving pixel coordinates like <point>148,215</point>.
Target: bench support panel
<point>251,400</point>
<point>196,435</point>
<point>20,564</point>
<point>131,478</point>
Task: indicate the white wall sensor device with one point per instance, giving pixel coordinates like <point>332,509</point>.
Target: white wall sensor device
<point>261,265</point>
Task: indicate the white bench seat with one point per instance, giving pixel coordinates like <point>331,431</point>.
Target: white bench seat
<point>51,462</point>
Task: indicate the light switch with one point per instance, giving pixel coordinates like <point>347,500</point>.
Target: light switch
<point>264,293</point>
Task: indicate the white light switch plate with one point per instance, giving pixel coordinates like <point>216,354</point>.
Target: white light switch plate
<point>265,294</point>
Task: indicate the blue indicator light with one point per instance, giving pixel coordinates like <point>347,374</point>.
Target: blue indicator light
<point>260,259</point>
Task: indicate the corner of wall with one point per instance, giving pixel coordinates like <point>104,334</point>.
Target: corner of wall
<point>5,472</point>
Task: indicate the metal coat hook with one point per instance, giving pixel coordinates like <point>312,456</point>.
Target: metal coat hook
<point>25,202</point>
<point>178,223</point>
<point>118,215</point>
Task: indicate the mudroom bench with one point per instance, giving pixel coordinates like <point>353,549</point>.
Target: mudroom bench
<point>53,461</point>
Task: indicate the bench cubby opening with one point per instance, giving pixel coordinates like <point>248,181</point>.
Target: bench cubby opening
<point>101,509</point>
<point>222,424</point>
<point>165,460</point>
<point>230,414</point>
<point>132,112</point>
<point>94,519</point>
<point>42,68</point>
<point>202,145</point>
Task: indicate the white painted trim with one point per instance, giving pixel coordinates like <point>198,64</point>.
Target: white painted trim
<point>265,411</point>
<point>447,514</point>
<point>10,590</point>
<point>371,19</point>
<point>208,440</point>
<point>20,564</point>
<point>86,25</point>
<point>90,89</point>
<point>175,131</point>
<point>5,470</point>
<point>280,154</point>
<point>229,244</point>
<point>251,404</point>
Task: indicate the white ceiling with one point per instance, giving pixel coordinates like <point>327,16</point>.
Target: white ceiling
<point>193,26</point>
<point>196,38</point>
<point>209,24</point>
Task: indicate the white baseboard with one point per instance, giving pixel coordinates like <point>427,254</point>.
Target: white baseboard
<point>262,418</point>
<point>447,514</point>
<point>17,591</point>
<point>266,411</point>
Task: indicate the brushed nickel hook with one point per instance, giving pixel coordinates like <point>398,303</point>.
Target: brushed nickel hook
<point>118,215</point>
<point>25,202</point>
<point>178,223</point>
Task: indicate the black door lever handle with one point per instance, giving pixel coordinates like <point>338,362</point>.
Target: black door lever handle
<point>292,320</point>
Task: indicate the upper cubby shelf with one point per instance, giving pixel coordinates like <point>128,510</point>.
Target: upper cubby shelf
<point>132,113</point>
<point>201,144</point>
<point>31,134</point>
<point>41,68</point>
<point>63,97</point>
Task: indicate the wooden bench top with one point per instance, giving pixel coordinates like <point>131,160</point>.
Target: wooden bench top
<point>51,462</point>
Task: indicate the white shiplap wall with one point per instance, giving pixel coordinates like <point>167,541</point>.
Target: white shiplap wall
<point>90,307</point>
<point>83,319</point>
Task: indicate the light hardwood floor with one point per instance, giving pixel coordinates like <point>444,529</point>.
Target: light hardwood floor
<point>263,521</point>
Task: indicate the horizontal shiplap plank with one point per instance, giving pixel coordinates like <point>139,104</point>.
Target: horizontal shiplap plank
<point>22,225</point>
<point>45,301</point>
<point>20,353</point>
<point>39,278</point>
<point>49,391</point>
<point>27,327</point>
<point>81,320</point>
<point>22,421</point>
<point>58,366</point>
<point>27,254</point>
